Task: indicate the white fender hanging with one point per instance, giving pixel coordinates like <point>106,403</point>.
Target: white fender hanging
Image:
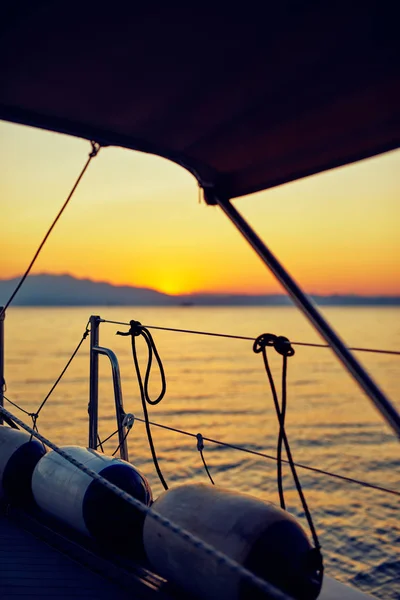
<point>65,492</point>
<point>261,537</point>
<point>19,455</point>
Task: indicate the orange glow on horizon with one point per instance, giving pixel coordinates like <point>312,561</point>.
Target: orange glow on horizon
<point>135,220</point>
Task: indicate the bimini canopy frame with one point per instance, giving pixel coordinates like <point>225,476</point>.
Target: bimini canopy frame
<point>308,308</point>
<point>245,98</point>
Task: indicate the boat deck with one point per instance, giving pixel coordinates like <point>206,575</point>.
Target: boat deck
<point>32,566</point>
<point>37,562</point>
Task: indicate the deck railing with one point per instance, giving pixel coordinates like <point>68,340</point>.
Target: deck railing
<point>93,409</point>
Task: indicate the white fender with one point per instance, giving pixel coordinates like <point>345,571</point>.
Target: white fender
<point>259,536</point>
<point>18,458</point>
<point>66,493</point>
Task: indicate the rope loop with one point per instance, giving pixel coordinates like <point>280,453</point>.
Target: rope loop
<point>263,340</point>
<point>136,330</point>
<point>282,346</point>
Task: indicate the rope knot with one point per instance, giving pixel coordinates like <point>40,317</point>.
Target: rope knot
<point>282,346</point>
<point>95,149</point>
<point>200,442</point>
<point>34,417</point>
<point>136,328</point>
<point>263,340</point>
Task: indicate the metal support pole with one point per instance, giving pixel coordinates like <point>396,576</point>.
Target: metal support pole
<point>2,380</point>
<point>310,311</point>
<point>93,407</point>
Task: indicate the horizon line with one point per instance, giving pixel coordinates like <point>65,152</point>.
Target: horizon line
<point>205,292</point>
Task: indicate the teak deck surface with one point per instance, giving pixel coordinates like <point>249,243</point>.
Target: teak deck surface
<point>29,568</point>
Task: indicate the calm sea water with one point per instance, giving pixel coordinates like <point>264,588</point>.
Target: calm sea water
<point>218,387</point>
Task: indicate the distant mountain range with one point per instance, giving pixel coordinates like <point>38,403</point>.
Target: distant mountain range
<point>65,290</point>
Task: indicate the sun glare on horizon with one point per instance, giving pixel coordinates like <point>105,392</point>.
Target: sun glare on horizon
<point>136,220</point>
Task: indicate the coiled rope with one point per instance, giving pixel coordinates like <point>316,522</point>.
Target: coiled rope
<point>136,330</point>
<point>222,559</point>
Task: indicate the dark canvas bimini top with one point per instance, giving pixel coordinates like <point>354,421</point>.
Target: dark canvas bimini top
<point>245,95</point>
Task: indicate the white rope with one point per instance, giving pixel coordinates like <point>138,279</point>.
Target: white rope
<point>221,558</point>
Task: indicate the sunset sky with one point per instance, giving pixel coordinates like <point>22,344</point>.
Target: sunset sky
<point>136,219</point>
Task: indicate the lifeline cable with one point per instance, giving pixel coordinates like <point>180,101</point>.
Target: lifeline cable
<point>92,154</point>
<point>17,406</point>
<point>251,339</point>
<point>53,387</point>
<point>121,443</point>
<point>378,488</point>
<point>57,381</point>
<point>34,416</point>
<point>101,442</point>
<point>137,329</point>
<point>372,486</point>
